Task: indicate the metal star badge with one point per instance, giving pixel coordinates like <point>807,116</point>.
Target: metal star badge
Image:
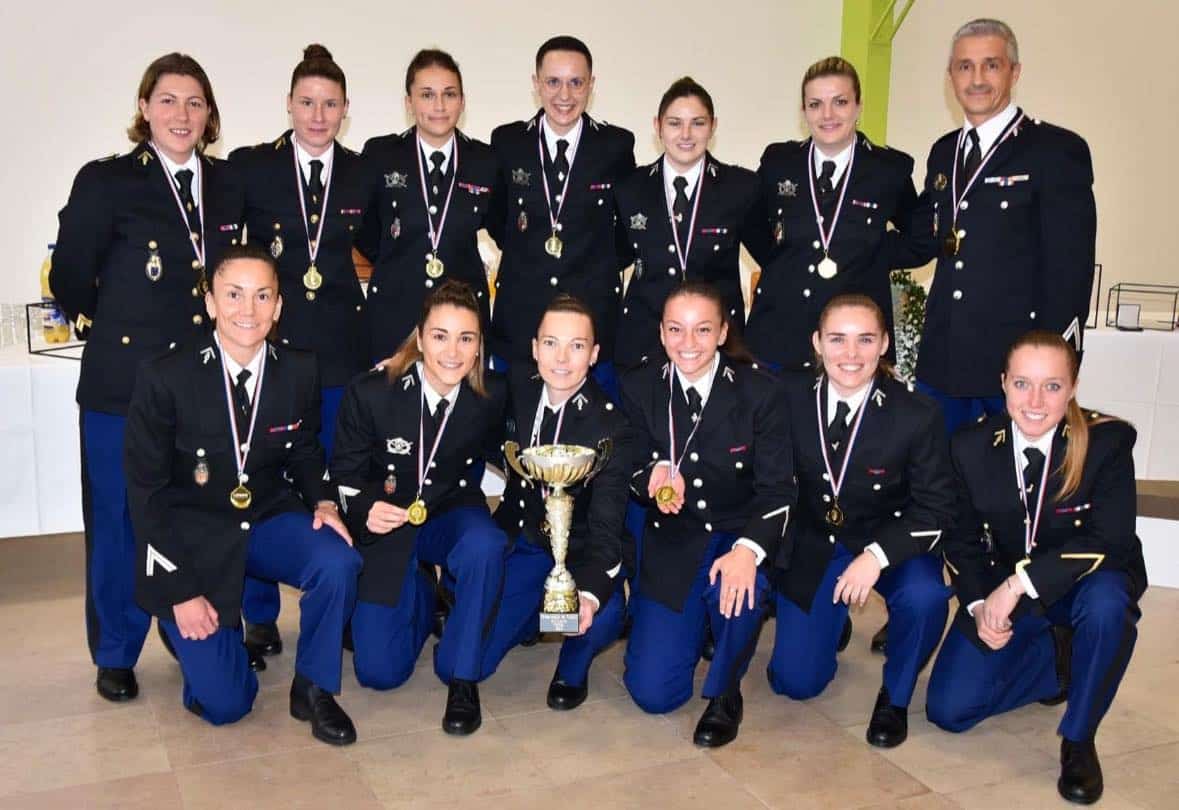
<point>396,180</point>
<point>521,177</point>
<point>638,222</point>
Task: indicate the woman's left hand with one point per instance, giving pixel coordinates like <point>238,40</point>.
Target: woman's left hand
<point>326,514</point>
<point>857,580</point>
<point>738,580</point>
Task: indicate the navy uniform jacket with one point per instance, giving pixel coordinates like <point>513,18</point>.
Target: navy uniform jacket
<point>330,321</point>
<point>738,472</point>
<point>730,193</point>
<point>1091,530</point>
<point>1026,261</point>
<point>785,241</point>
<point>178,420</point>
<point>118,209</point>
<point>377,437</point>
<point>591,261</point>
<point>396,232</point>
<point>898,490</point>
<point>595,539</point>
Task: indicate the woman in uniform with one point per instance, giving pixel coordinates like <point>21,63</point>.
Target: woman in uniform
<point>305,199</point>
<point>822,224</point>
<point>683,215</point>
<point>875,494</point>
<point>133,243</point>
<point>410,444</point>
<point>1045,560</point>
<point>717,476</point>
<point>434,191</point>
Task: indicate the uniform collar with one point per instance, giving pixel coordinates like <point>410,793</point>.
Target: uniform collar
<point>990,130</point>
<point>432,396</point>
<point>692,175</point>
<point>840,160</point>
<point>573,137</point>
<point>703,385</point>
<point>193,164</point>
<point>1020,442</point>
<point>306,157</point>
<point>853,402</point>
<point>235,368</point>
<point>447,149</point>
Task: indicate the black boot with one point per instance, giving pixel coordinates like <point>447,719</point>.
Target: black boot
<point>1080,772</point>
<point>889,725</point>
<point>563,696</point>
<point>1062,642</point>
<point>117,684</point>
<point>463,715</point>
<point>263,638</point>
<point>329,723</point>
<point>845,636</point>
<point>880,640</point>
<point>719,724</point>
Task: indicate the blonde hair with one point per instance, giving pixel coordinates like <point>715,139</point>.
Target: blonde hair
<point>831,66</point>
<point>450,293</point>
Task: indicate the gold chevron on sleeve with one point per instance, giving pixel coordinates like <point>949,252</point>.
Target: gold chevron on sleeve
<point>1097,559</point>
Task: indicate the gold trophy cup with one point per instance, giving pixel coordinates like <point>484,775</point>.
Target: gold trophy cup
<point>558,466</point>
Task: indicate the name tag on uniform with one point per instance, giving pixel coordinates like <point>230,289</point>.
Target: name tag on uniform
<point>1010,180</point>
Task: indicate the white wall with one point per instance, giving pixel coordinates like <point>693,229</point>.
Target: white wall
<point>72,75</point>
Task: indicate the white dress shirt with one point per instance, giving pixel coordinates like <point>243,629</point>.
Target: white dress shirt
<point>692,175</point>
<point>990,130</point>
<point>446,149</point>
<point>306,157</point>
<point>235,368</point>
<point>841,160</point>
<point>573,136</point>
<point>193,164</point>
<point>432,396</point>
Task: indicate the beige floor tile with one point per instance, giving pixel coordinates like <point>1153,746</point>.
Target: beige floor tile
<point>928,801</point>
<point>1121,731</point>
<point>522,680</point>
<point>1149,778</point>
<point>1149,690</point>
<point>156,791</point>
<point>1030,791</point>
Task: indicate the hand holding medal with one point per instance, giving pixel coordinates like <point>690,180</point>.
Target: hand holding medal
<point>666,486</point>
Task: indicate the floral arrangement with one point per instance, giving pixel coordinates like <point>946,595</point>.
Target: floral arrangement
<point>908,307</point>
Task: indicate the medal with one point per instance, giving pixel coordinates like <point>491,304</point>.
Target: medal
<point>835,516</point>
<point>417,513</point>
<point>200,473</point>
<point>827,267</point>
<point>953,242</point>
<point>312,280</point>
<point>681,253</point>
<point>155,267</point>
<point>665,495</point>
<point>241,497</point>
<point>434,265</point>
<point>390,484</point>
<point>435,268</point>
<point>276,246</point>
<point>522,222</point>
<point>553,246</point>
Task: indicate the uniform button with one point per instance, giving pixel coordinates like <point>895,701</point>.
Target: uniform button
<point>826,477</point>
<point>779,212</point>
<point>697,483</point>
<point>200,452</point>
<point>152,245</point>
<point>716,247</point>
<point>288,445</point>
<point>427,482</point>
<point>470,461</point>
<point>957,295</point>
<point>245,525</point>
<point>1003,205</point>
<point>616,290</point>
<point>197,320</point>
<point>964,205</point>
<point>609,406</point>
<point>826,499</point>
<point>433,209</point>
<point>701,504</point>
<point>958,265</point>
<point>599,200</point>
<point>961,233</point>
<point>521,524</point>
<point>816,244</point>
<point>671,271</point>
<point>876,487</point>
<point>557,197</point>
<point>740,465</point>
<point>810,268</point>
<point>196,293</point>
<point>1077,522</point>
<point>429,282</point>
<point>759,290</point>
<point>625,310</point>
<point>172,345</point>
<point>462,482</point>
<point>126,340</point>
<point>806,293</point>
<point>476,211</point>
<point>553,281</point>
<point>1032,315</point>
<point>520,200</point>
<point>392,466</point>
<point>286,341</point>
<point>372,288</point>
<point>521,503</point>
<point>807,364</point>
<point>310,295</point>
<point>707,527</point>
<point>831,538</point>
<point>654,454</point>
<point>636,244</point>
<point>694,456</point>
<point>897,513</point>
<point>671,248</point>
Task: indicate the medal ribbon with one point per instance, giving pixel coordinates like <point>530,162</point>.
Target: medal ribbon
<point>436,233</point>
<point>1032,525</point>
<point>197,249</point>
<point>312,244</point>
<point>681,254</point>
<point>825,234</point>
<point>675,465</point>
<point>544,179</point>
<point>425,465</point>
<point>981,165</point>
<point>240,454</point>
<point>837,483</point>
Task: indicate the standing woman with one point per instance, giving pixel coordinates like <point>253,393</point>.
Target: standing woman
<point>305,199</point>
<point>412,437</point>
<point>719,487</point>
<point>875,493</point>
<point>133,243</point>
<point>822,224</point>
<point>434,191</point>
<point>683,215</point>
<point>1045,560</point>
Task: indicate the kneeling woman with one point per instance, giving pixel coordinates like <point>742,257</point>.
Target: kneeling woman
<point>875,495</point>
<point>563,405</point>
<point>410,441</point>
<point>719,483</point>
<point>1045,560</point>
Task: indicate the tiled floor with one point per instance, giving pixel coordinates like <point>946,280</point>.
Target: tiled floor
<point>61,746</point>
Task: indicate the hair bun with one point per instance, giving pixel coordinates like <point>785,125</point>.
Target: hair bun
<point>316,51</point>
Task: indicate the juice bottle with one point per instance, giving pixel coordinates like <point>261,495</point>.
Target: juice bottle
<point>54,326</point>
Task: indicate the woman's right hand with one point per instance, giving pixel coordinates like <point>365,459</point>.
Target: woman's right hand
<point>660,475</point>
<point>195,619</point>
<point>384,518</point>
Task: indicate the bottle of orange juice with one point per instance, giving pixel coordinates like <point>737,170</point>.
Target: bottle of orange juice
<point>54,326</point>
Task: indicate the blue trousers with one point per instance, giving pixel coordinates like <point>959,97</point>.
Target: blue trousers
<point>285,548</point>
<point>115,625</point>
<point>603,372</point>
<point>969,684</point>
<point>260,599</point>
<point>804,662</point>
<point>664,645</point>
<point>959,411</point>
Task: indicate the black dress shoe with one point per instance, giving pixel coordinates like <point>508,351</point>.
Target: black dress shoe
<point>329,722</point>
<point>1080,772</point>
<point>880,640</point>
<point>564,697</point>
<point>117,684</point>
<point>167,642</point>
<point>627,624</point>
<point>463,715</point>
<point>845,636</point>
<point>257,662</point>
<point>1062,642</point>
<point>530,640</point>
<point>720,721</point>
<point>708,650</point>
<point>347,643</point>
<point>889,725</point>
<point>263,638</point>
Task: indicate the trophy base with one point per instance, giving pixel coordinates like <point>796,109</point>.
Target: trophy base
<point>558,622</point>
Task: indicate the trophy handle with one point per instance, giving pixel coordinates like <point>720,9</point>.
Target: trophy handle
<point>605,449</point>
<point>511,455</point>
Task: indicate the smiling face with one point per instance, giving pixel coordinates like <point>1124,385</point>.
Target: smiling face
<point>564,350</point>
<point>983,76</point>
<point>436,102</point>
<point>177,112</point>
<point>449,343</point>
<point>692,331</point>
<point>685,129</point>
<point>564,85</point>
<point>850,342</point>
<point>244,302</point>
<point>831,109</point>
<point>1038,385</point>
<point>317,108</point>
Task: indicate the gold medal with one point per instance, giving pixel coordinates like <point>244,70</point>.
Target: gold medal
<point>312,280</point>
<point>435,268</point>
<point>835,515</point>
<point>240,497</point>
<point>665,495</point>
<point>417,513</point>
<point>553,246</point>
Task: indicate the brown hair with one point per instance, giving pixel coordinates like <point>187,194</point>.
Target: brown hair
<point>734,347</point>
<point>449,293</point>
<point>564,302</point>
<point>686,87</point>
<point>317,63</point>
<point>885,367</point>
<point>431,57</point>
<point>831,66</point>
<point>179,64</point>
<point>1075,422</point>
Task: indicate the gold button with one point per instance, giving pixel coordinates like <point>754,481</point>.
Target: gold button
<point>310,295</point>
<point>126,340</point>
<point>196,264</point>
<point>196,293</point>
<point>198,320</point>
<point>314,218</point>
<point>1077,522</point>
<point>277,227</point>
<point>151,245</point>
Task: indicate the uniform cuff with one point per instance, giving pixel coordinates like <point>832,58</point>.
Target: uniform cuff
<point>1028,587</point>
<point>759,553</point>
<point>970,608</point>
<point>878,553</point>
<point>589,597</point>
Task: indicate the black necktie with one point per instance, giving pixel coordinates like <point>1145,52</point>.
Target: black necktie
<point>436,159</point>
<point>548,427</point>
<point>826,177</point>
<point>1034,469</point>
<point>241,398</point>
<point>184,180</point>
<point>973,156</point>
<point>838,427</point>
<point>315,184</point>
<point>560,162</point>
<point>679,210</point>
<point>695,404</point>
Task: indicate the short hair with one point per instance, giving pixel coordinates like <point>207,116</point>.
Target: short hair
<point>564,43</point>
<point>564,302</point>
<point>831,66</point>
<point>686,87</point>
<point>180,64</point>
<point>317,62</point>
<point>986,27</point>
<point>431,57</point>
<point>251,250</point>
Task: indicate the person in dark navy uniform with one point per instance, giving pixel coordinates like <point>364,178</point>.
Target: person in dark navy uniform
<point>560,404</point>
<point>305,199</point>
<point>716,472</point>
<point>223,471</point>
<point>683,215</point>
<point>434,187</point>
<point>129,268</point>
<point>556,221</point>
<point>1016,227</point>
<point>857,188</point>
<point>875,496</point>
<point>410,446</point>
<point>1045,560</point>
